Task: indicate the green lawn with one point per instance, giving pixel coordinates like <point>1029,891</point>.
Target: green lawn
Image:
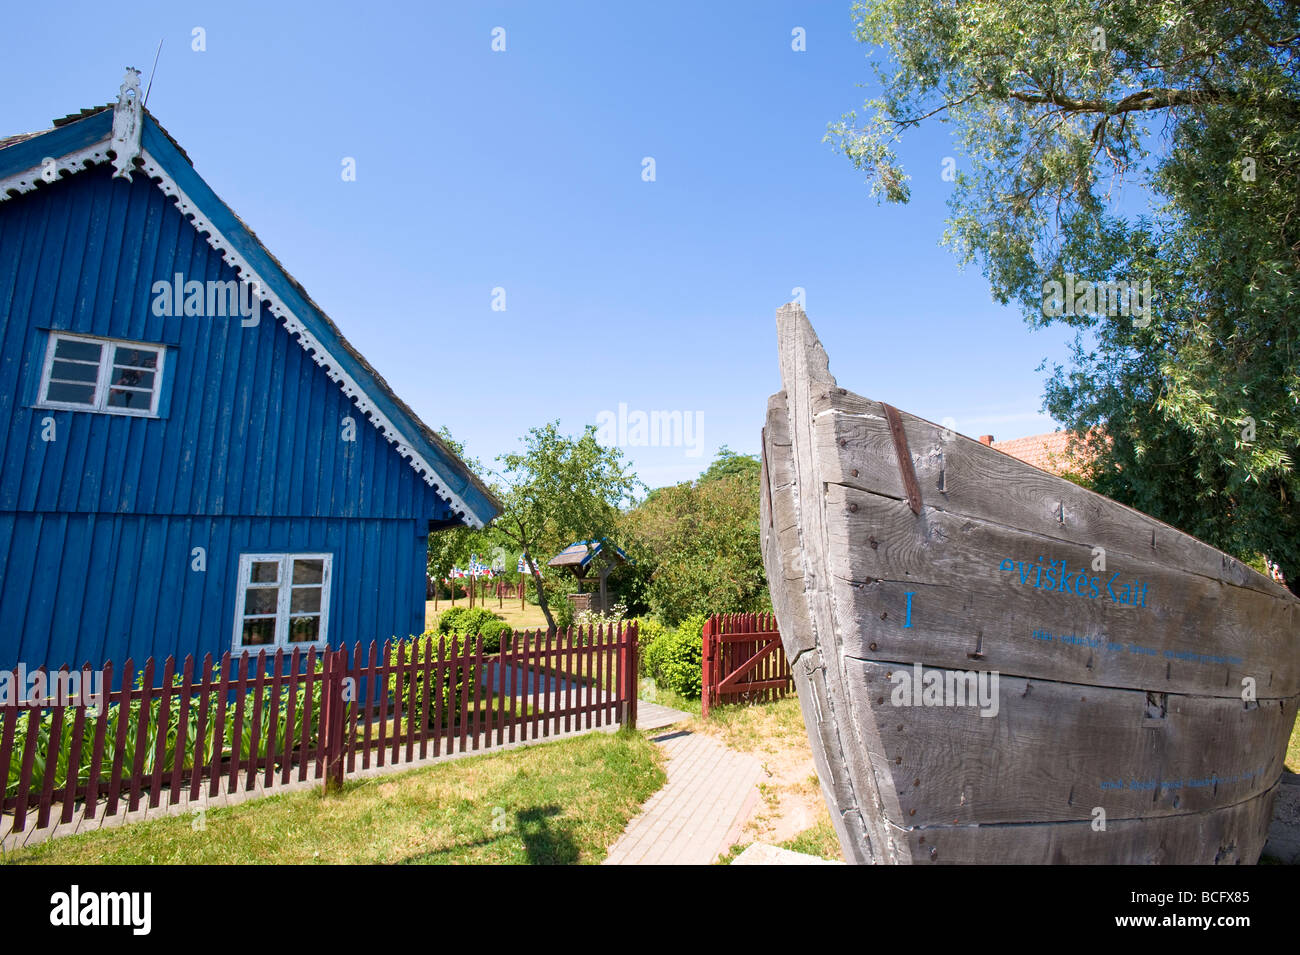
<point>554,803</point>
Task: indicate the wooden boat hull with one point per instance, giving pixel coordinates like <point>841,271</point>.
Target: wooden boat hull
<point>996,665</point>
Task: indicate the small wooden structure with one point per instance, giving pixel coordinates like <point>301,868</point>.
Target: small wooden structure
<point>579,557</point>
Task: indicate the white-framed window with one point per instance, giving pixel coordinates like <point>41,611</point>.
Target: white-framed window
<point>283,601</point>
<point>101,374</point>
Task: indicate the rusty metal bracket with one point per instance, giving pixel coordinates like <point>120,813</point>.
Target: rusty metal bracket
<point>905,468</point>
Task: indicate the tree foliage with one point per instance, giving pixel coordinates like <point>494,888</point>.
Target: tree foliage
<point>1193,407</point>
<point>557,491</point>
<point>698,542</point>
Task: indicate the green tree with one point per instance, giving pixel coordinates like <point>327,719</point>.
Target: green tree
<point>698,542</point>
<point>560,490</point>
<point>1192,400</point>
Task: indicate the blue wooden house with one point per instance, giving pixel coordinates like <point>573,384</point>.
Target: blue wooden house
<point>193,459</point>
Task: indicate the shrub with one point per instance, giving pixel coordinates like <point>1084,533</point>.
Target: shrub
<point>493,633</point>
<point>448,619</point>
<point>648,630</point>
<point>451,686</point>
<point>674,659</point>
<point>667,653</point>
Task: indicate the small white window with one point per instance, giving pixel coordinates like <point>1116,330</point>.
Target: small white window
<point>98,374</point>
<point>283,601</point>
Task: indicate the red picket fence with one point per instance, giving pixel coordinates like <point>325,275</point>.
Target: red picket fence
<point>744,660</point>
<point>280,716</point>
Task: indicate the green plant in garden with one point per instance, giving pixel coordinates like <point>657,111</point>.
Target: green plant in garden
<point>674,657</point>
<point>1191,406</point>
<point>476,621</point>
<point>452,685</point>
<point>62,748</point>
<point>698,542</point>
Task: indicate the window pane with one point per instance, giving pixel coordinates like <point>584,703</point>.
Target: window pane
<point>258,632</point>
<point>308,571</point>
<point>265,571</point>
<point>304,629</point>
<point>74,371</point>
<point>136,357</point>
<point>305,599</point>
<point>131,378</point>
<point>130,399</point>
<point>77,394</point>
<point>260,599</point>
<point>81,351</point>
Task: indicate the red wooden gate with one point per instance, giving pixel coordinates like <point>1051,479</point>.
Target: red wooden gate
<point>744,660</point>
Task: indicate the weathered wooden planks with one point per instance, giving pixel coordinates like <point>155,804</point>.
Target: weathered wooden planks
<point>1051,752</point>
<point>1232,835</point>
<point>965,477</point>
<point>1194,635</point>
<point>1128,702</point>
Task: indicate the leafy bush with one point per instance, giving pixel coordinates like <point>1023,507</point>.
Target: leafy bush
<point>674,658</point>
<point>648,630</point>
<point>451,684</point>
<point>449,618</point>
<point>464,622</point>
<point>493,633</point>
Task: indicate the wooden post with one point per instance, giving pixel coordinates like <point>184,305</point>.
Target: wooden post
<point>634,675</point>
<point>706,677</point>
<point>331,721</point>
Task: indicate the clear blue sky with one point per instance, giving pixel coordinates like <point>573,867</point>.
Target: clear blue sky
<point>523,170</point>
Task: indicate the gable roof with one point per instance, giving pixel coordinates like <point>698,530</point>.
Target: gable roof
<point>81,140</point>
<point>577,556</point>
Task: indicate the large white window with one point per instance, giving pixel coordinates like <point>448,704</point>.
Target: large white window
<point>100,374</point>
<point>283,601</point>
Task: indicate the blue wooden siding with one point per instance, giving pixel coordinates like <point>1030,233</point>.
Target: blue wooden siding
<point>104,586</point>
<point>247,454</point>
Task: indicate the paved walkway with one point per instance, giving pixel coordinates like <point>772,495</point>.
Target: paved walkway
<point>699,813</point>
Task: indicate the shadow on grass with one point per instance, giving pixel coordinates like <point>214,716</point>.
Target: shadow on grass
<point>544,843</point>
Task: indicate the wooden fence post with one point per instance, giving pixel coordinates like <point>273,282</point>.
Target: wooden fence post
<point>633,675</point>
<point>331,720</point>
<point>706,665</point>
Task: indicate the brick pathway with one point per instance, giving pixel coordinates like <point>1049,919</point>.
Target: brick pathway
<point>699,813</point>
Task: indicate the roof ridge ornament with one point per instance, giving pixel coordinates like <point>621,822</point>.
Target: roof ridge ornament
<point>127,125</point>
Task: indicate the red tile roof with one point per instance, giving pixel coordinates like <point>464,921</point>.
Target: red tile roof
<point>1049,452</point>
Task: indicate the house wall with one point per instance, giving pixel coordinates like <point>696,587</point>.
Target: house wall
<point>92,587</point>
<point>98,524</point>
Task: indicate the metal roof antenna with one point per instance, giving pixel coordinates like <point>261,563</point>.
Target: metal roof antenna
<point>152,70</point>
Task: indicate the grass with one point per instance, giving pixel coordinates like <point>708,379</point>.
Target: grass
<point>554,803</point>
<point>820,841</point>
<point>530,618</point>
